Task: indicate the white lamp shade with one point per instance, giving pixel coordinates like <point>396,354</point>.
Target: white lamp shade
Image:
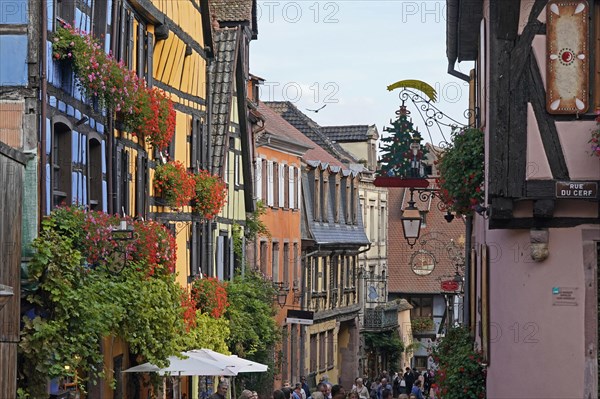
<point>411,223</point>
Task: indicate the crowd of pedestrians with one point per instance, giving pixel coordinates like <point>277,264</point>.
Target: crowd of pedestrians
<point>411,384</point>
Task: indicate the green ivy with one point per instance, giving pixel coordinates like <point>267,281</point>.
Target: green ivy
<point>253,330</point>
<point>461,374</point>
<point>75,306</point>
<point>387,342</point>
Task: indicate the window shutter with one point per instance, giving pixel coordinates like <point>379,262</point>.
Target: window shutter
<point>299,191</point>
<point>150,63</point>
<point>291,186</point>
<point>119,164</point>
<point>130,41</point>
<point>270,183</point>
<point>258,177</point>
<point>140,61</point>
<point>193,144</point>
<point>281,186</point>
<point>122,33</point>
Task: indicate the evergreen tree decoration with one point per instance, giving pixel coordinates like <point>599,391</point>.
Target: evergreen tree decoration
<point>397,159</point>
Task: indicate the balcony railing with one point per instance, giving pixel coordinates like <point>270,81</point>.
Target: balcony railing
<point>381,317</point>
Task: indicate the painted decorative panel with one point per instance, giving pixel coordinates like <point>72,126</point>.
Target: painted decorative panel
<point>568,55</point>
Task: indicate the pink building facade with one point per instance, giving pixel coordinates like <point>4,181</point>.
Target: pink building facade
<point>536,87</point>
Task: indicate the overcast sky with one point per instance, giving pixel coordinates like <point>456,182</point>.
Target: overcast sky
<point>344,53</point>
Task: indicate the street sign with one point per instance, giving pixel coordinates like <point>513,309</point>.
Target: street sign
<point>292,320</point>
<point>299,317</point>
<point>449,285</point>
<point>576,189</point>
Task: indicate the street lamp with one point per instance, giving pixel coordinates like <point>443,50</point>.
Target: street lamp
<point>282,293</point>
<point>411,222</point>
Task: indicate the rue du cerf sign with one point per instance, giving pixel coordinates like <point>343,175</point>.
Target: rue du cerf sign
<point>576,189</point>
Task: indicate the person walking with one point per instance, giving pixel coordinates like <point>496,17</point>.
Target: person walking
<point>416,390</point>
<point>409,378</point>
<point>360,389</point>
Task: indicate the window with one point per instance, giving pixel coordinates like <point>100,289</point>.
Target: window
<point>141,184</point>
<point>270,183</point>
<point>324,274</point>
<point>264,257</point>
<point>348,204</point>
<point>275,263</point>
<point>336,201</point>
<point>330,356</point>
<point>61,165</point>
<point>383,225</point>
<point>317,197</point>
<point>353,201</point>
<point>198,147</point>
<point>322,351</point>
<point>313,352</point>
<point>422,307</point>
<point>286,263</point>
<point>324,196</point>
<point>314,267</point>
<point>122,179</point>
<point>95,174</point>
<point>372,225</point>
<point>295,272</point>
<point>264,181</point>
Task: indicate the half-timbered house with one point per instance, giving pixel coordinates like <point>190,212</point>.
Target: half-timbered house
<point>536,88</point>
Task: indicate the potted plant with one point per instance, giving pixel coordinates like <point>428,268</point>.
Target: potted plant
<point>461,169</point>
<point>210,194</point>
<point>145,112</point>
<point>420,324</point>
<point>174,183</point>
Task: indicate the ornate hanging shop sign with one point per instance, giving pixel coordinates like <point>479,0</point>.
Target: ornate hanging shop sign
<point>567,56</point>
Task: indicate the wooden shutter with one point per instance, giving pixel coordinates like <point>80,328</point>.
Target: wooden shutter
<point>119,174</point>
<point>291,174</point>
<point>140,57</point>
<point>130,43</point>
<point>122,33</point>
<point>299,186</point>
<point>258,177</point>
<point>194,158</point>
<point>281,185</point>
<point>150,60</point>
<point>270,183</point>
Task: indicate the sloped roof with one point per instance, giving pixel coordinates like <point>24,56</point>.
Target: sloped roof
<point>347,133</point>
<point>232,10</point>
<point>311,129</point>
<point>323,233</point>
<point>435,238</point>
<point>222,86</point>
<point>275,124</point>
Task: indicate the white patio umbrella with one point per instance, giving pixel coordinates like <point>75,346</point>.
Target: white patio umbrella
<point>185,367</point>
<point>232,362</point>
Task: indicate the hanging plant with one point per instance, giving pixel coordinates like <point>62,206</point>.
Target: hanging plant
<point>210,295</point>
<point>174,183</point>
<point>461,374</point>
<point>210,195</point>
<point>595,139</point>
<point>145,112</point>
<point>461,169</point>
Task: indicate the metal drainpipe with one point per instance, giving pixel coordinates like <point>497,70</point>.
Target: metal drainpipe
<point>43,132</point>
<point>457,74</point>
<point>110,119</point>
<point>466,293</point>
<point>210,226</point>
